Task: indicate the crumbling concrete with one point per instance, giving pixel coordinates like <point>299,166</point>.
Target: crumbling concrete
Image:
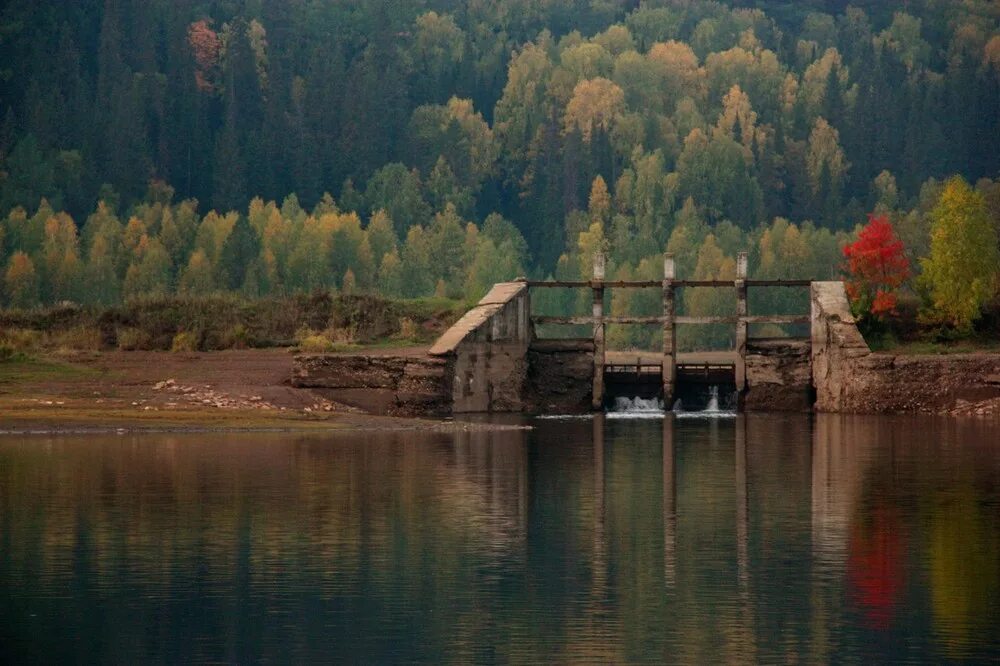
<point>560,376</point>
<point>779,376</point>
<point>487,350</point>
<point>392,385</point>
<point>850,378</point>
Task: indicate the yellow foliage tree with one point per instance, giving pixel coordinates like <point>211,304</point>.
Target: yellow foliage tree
<point>21,281</point>
<point>596,103</point>
<point>962,269</point>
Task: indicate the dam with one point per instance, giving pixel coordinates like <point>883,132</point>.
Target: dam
<point>493,359</point>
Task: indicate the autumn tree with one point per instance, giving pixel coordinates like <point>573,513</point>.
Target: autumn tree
<point>21,281</point>
<point>877,267</point>
<point>961,271</point>
<point>197,278</point>
<point>149,273</point>
<point>205,47</point>
<point>595,104</point>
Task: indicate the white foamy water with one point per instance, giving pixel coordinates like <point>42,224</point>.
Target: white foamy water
<point>637,408</point>
<point>711,411</point>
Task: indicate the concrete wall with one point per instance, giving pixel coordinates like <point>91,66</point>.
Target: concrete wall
<point>560,376</point>
<point>779,376</point>
<point>379,384</point>
<point>487,352</point>
<point>836,345</point>
<point>850,378</point>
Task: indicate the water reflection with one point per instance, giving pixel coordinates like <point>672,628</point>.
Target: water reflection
<point>738,540</point>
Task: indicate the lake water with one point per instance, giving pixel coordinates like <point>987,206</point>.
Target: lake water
<point>803,539</point>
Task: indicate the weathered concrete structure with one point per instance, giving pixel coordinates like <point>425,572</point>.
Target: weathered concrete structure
<point>397,385</point>
<point>849,377</point>
<point>486,351</point>
<point>560,376</point>
<point>779,376</point>
<point>491,361</point>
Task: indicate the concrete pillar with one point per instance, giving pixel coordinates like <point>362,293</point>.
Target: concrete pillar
<point>597,286</point>
<point>669,332</point>
<point>741,325</point>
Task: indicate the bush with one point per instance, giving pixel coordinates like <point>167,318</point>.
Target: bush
<point>22,339</point>
<point>236,337</point>
<point>316,344</point>
<point>9,355</point>
<point>227,322</point>
<point>184,341</point>
<point>408,330</point>
<point>81,338</point>
<point>133,339</point>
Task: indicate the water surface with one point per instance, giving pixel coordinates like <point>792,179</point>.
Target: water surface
<point>684,540</point>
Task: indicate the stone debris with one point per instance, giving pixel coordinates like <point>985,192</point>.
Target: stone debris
<point>990,407</point>
<point>206,397</point>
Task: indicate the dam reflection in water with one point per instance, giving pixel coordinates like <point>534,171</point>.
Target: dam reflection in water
<point>746,539</point>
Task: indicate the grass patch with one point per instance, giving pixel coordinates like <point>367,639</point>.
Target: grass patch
<point>22,368</point>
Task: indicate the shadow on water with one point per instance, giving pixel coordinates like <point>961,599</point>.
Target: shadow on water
<point>746,539</point>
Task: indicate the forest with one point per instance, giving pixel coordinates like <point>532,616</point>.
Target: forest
<point>433,147</point>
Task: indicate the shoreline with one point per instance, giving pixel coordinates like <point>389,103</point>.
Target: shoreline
<point>230,391</point>
<point>93,421</point>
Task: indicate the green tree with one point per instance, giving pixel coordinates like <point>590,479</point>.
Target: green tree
<point>149,274</point>
<point>239,250</point>
<point>381,235</point>
<point>707,301</point>
<point>197,278</point>
<point>398,191</point>
<point>103,285</point>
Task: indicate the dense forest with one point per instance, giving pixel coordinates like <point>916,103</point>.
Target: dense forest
<point>433,146</point>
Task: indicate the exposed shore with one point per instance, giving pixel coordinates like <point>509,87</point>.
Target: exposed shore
<point>245,390</point>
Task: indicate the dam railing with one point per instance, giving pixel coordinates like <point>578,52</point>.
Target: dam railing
<point>669,319</point>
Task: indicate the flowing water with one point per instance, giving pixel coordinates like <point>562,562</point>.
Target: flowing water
<point>747,539</point>
<point>712,409</point>
<point>637,408</point>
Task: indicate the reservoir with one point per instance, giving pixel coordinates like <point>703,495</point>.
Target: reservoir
<point>749,538</point>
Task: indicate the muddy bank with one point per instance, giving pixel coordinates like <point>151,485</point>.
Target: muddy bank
<point>162,391</point>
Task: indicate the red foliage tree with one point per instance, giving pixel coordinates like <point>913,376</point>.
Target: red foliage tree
<point>877,266</point>
<point>205,46</point>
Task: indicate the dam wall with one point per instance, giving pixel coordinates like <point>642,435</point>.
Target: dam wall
<point>389,384</point>
<point>560,376</point>
<point>779,375</point>
<point>486,352</point>
<point>491,361</point>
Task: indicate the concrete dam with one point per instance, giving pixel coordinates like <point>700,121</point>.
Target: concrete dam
<point>493,360</point>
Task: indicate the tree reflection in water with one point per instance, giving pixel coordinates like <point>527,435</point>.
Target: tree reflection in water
<point>750,539</point>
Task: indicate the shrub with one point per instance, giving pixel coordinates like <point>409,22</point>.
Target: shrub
<point>185,341</point>
<point>22,339</point>
<point>236,337</point>
<point>408,329</point>
<point>133,339</point>
<point>8,354</point>
<point>81,338</point>
<point>316,344</point>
